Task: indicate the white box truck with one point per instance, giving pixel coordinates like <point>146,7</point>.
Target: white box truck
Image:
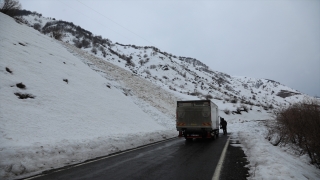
<point>197,119</point>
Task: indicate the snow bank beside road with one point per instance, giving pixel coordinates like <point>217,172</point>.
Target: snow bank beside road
<point>71,114</point>
<point>268,161</point>
<point>22,161</point>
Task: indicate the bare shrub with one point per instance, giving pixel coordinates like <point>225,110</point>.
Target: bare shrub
<point>249,102</point>
<point>130,62</point>
<point>172,88</point>
<point>208,96</point>
<point>237,111</point>
<point>147,71</point>
<point>234,100</point>
<point>85,43</point>
<point>227,111</point>
<point>153,66</point>
<point>57,34</point>
<point>37,26</point>
<point>103,51</point>
<point>141,62</point>
<point>21,85</point>
<point>298,126</point>
<point>270,106</point>
<point>10,7</point>
<point>196,94</point>
<point>8,70</point>
<point>244,107</point>
<point>243,98</point>
<point>94,50</point>
<point>254,97</point>
<point>24,96</point>
<point>77,43</point>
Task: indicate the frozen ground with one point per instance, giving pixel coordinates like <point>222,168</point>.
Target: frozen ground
<point>84,107</point>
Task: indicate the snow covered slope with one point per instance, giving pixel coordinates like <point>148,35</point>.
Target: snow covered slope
<point>55,110</point>
<point>185,75</point>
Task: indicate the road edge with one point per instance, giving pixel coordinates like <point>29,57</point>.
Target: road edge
<point>43,173</point>
<point>217,171</point>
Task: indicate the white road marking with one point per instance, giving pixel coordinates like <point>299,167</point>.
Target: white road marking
<point>217,171</point>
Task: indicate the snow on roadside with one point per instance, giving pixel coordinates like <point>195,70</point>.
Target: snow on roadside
<point>268,161</point>
<point>71,114</point>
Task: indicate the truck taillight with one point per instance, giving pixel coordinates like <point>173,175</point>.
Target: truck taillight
<point>181,124</point>
<point>206,124</point>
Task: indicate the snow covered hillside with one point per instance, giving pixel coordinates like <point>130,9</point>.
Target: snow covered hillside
<point>55,110</point>
<point>63,102</point>
<point>185,75</point>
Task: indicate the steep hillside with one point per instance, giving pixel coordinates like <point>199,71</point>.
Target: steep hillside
<point>56,111</point>
<point>184,75</point>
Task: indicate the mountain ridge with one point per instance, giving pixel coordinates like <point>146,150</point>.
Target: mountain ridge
<point>185,75</point>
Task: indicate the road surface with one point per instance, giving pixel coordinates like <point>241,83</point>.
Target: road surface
<point>172,159</point>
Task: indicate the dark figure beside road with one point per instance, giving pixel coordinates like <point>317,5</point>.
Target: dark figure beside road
<point>223,125</point>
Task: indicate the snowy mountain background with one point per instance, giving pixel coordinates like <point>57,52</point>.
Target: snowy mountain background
<point>184,75</point>
<point>82,96</point>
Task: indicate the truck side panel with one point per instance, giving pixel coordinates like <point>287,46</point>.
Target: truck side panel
<point>214,116</point>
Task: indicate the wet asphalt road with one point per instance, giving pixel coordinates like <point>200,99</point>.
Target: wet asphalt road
<point>234,164</point>
<point>173,159</point>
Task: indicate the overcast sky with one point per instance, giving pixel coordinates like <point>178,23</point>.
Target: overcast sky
<point>274,39</point>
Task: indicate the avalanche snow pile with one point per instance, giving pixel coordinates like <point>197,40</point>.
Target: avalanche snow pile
<point>131,84</point>
<point>56,111</point>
